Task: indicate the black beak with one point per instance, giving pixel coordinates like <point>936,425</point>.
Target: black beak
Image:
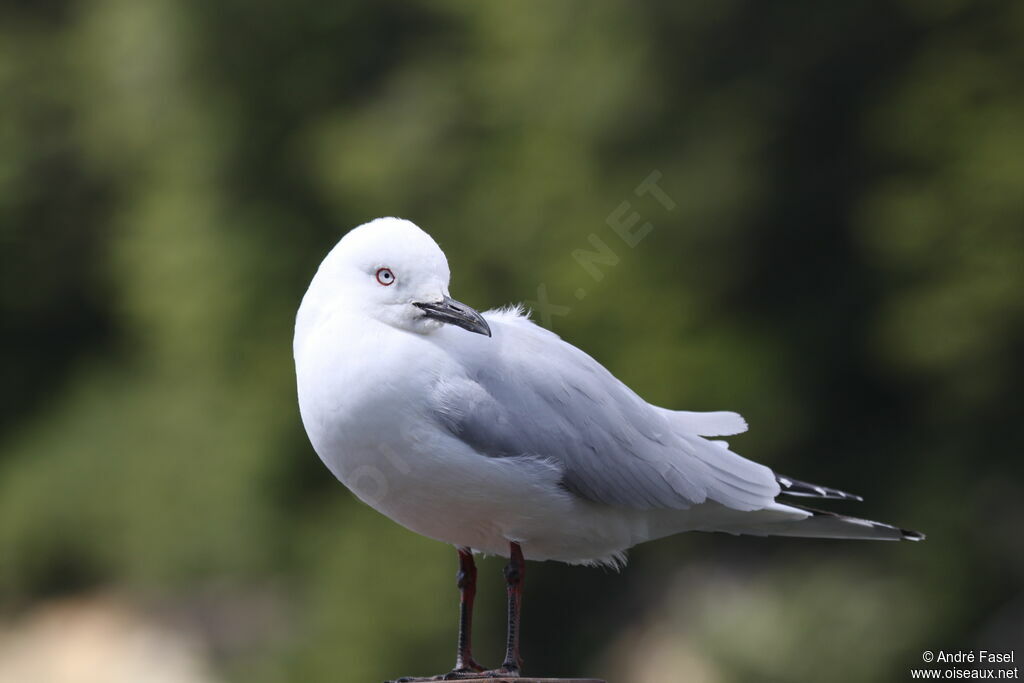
<point>448,310</point>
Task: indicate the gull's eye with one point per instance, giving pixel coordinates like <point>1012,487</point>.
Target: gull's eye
<point>385,276</point>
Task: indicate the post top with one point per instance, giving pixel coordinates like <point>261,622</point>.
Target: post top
<point>534,680</point>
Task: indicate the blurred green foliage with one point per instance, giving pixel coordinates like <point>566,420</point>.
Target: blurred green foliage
<point>844,266</point>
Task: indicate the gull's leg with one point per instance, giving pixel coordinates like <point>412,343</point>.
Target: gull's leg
<point>465,666</point>
<point>515,572</point>
<point>466,579</point>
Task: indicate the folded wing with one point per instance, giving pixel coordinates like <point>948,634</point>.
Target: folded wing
<point>525,392</point>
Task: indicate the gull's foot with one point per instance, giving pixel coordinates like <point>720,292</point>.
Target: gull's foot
<point>503,672</point>
<point>470,666</point>
<point>464,675</point>
<point>470,672</point>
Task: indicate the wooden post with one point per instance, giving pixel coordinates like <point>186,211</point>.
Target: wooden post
<point>532,680</point>
<point>545,680</point>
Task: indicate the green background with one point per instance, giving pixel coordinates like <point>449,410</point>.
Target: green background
<point>844,265</point>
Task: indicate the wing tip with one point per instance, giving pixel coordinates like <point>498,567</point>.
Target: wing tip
<point>891,533</point>
<point>803,489</point>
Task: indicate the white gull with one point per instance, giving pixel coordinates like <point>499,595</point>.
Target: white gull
<point>496,436</point>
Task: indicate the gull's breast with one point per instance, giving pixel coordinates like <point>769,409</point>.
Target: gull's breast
<point>367,405</point>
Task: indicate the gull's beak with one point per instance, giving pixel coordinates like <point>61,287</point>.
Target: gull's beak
<point>448,310</point>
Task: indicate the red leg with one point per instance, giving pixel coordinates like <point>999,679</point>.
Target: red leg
<point>515,573</point>
<point>467,593</point>
<point>465,667</point>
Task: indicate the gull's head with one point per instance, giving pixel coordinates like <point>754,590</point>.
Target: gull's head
<point>392,271</point>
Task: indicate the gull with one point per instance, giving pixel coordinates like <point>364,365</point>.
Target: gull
<point>494,435</point>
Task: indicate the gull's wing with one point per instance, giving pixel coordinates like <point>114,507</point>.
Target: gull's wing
<point>525,392</point>
<point>719,423</point>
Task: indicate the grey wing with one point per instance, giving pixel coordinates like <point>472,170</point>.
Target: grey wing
<point>530,394</point>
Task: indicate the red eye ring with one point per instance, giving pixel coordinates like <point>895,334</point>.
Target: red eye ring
<point>385,277</point>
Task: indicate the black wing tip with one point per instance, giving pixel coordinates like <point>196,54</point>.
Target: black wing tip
<point>905,534</point>
<point>803,489</point>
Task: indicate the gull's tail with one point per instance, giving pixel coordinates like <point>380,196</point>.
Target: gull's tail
<point>825,524</point>
<point>751,498</point>
<point>786,519</point>
<point>789,519</point>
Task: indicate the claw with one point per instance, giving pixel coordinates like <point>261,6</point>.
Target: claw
<point>463,674</point>
<point>470,672</point>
